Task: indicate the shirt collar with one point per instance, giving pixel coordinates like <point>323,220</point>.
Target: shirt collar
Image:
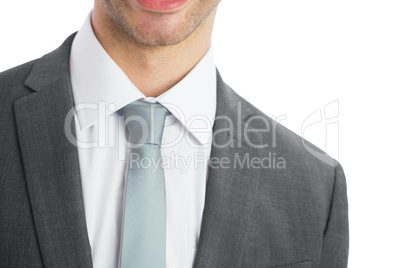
<point>100,87</point>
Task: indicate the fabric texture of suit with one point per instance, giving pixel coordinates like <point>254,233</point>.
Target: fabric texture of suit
<point>253,217</point>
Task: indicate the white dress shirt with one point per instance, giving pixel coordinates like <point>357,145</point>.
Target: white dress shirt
<point>100,89</point>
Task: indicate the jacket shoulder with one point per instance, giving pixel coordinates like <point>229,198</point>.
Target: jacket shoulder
<point>12,88</point>
<point>282,140</point>
<point>303,164</point>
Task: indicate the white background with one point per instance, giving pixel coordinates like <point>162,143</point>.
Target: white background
<point>290,59</point>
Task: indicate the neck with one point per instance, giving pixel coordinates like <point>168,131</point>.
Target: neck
<point>152,69</point>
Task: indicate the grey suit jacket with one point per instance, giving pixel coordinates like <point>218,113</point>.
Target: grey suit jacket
<point>254,216</point>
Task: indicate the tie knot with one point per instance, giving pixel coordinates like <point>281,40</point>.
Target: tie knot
<point>145,121</point>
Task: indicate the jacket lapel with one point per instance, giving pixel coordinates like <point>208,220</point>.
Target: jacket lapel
<point>230,187</point>
<point>51,162</point>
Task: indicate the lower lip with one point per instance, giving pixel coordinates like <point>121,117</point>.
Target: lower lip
<point>161,5</point>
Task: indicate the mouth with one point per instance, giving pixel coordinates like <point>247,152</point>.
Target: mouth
<point>161,5</point>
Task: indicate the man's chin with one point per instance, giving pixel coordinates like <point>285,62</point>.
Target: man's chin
<point>157,39</point>
<point>160,31</point>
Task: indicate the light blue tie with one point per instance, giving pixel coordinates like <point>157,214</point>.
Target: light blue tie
<point>144,224</point>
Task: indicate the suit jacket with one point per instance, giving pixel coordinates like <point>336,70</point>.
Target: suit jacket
<point>253,217</point>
